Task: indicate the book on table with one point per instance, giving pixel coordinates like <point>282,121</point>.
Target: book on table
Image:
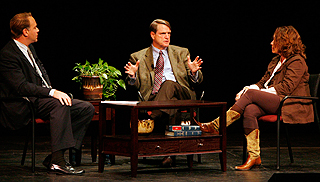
<point>183,133</point>
<point>183,130</point>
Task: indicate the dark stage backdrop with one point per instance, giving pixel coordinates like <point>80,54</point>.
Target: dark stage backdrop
<point>232,37</point>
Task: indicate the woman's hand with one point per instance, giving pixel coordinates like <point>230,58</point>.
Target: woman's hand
<point>243,91</point>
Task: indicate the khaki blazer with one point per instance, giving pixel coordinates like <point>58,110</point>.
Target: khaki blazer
<point>179,63</point>
<point>291,79</point>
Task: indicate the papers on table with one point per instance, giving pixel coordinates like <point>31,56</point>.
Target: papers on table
<point>128,103</point>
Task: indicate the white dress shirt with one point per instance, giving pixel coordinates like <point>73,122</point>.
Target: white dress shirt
<point>268,89</point>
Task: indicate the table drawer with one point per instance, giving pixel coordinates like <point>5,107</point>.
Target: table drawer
<point>116,146</point>
<point>194,145</point>
<point>158,147</point>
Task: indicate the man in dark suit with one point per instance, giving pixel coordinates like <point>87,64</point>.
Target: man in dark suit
<point>163,71</point>
<point>22,74</point>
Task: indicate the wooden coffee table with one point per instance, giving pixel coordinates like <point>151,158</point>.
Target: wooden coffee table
<point>134,145</point>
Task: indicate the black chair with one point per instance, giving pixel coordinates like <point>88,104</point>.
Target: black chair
<point>31,126</point>
<point>314,81</point>
<point>32,111</point>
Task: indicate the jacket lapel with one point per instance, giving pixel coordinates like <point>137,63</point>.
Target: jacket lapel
<point>288,61</point>
<point>23,57</point>
<point>149,63</point>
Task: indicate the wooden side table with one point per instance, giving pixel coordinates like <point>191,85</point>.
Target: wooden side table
<point>135,146</point>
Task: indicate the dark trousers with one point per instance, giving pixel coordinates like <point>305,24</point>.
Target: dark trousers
<point>256,103</point>
<point>68,124</point>
<point>170,90</point>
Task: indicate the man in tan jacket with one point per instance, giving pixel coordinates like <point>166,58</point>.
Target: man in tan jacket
<point>163,72</point>
<point>178,74</point>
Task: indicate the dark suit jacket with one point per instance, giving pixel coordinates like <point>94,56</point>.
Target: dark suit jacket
<point>19,78</point>
<point>179,63</point>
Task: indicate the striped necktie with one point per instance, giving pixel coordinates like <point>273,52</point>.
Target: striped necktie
<point>35,66</point>
<point>158,74</point>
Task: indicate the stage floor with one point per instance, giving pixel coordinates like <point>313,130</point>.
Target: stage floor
<point>306,152</point>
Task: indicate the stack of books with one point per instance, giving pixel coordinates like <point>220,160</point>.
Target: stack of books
<point>183,130</point>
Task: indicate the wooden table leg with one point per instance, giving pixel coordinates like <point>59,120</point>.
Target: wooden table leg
<point>102,131</point>
<point>223,161</point>
<point>190,161</point>
<point>102,159</point>
<point>223,132</point>
<point>134,165</point>
<point>134,142</point>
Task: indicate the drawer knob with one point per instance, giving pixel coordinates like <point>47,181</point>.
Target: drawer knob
<point>200,144</point>
<point>158,147</point>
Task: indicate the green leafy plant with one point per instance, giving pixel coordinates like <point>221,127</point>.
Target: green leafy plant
<point>109,76</point>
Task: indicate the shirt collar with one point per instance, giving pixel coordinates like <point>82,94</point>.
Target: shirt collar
<point>156,50</point>
<point>155,53</point>
<point>21,45</point>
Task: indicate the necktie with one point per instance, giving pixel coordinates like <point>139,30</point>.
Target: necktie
<point>35,66</point>
<point>158,74</point>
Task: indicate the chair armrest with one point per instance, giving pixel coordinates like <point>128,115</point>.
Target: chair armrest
<point>296,97</point>
<point>70,95</point>
<point>14,99</point>
<point>292,97</point>
<point>22,99</point>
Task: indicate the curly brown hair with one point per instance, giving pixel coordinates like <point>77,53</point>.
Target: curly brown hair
<point>288,42</point>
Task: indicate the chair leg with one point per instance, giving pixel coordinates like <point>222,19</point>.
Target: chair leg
<point>199,158</point>
<point>316,116</point>
<point>94,141</point>
<point>33,147</point>
<point>289,144</point>
<point>78,157</point>
<point>75,156</point>
<point>25,148</point>
<point>278,144</point>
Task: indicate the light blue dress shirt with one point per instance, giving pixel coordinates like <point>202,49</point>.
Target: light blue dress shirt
<point>167,70</point>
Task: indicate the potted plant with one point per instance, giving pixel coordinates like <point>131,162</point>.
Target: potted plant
<point>98,80</point>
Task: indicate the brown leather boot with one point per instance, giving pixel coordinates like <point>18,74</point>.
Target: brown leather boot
<point>213,126</point>
<point>250,163</point>
<point>253,148</point>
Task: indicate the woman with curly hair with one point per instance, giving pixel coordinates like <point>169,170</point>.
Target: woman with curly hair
<point>287,74</point>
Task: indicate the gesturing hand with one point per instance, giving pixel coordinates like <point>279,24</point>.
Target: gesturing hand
<point>243,91</point>
<point>62,97</point>
<point>132,69</point>
<point>195,65</point>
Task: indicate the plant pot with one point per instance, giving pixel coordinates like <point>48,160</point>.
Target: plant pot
<point>92,88</point>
